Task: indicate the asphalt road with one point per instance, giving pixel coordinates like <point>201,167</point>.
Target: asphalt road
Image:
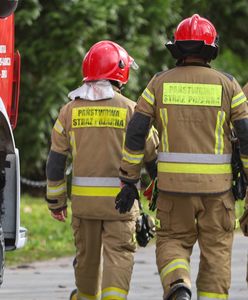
<point>53,280</point>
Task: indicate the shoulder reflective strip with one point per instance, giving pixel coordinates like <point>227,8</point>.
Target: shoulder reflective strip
<point>94,191</point>
<point>114,293</point>
<point>96,181</point>
<point>132,158</point>
<point>58,126</point>
<point>192,94</point>
<point>73,143</point>
<point>174,265</point>
<point>219,133</point>
<point>82,296</point>
<point>211,296</point>
<point>245,162</point>
<point>99,116</point>
<point>194,158</point>
<point>56,190</point>
<point>164,119</point>
<point>148,96</point>
<point>238,99</point>
<point>194,168</point>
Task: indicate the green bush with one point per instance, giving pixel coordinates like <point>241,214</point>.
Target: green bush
<point>60,32</point>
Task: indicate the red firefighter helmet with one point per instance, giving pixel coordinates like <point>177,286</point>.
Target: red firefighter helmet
<point>107,60</point>
<point>194,36</point>
<point>196,28</point>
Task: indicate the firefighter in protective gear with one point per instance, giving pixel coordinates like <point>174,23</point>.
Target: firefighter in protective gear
<point>193,107</point>
<point>244,218</point>
<point>245,89</point>
<point>91,128</point>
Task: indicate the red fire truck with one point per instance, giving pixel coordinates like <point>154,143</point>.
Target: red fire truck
<point>12,235</point>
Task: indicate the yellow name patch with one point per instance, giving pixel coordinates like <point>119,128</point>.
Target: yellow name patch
<point>99,116</point>
<point>192,94</point>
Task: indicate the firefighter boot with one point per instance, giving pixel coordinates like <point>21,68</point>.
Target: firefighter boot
<point>180,294</point>
<point>73,295</point>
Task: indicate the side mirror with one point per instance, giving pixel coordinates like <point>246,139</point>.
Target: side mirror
<point>7,7</point>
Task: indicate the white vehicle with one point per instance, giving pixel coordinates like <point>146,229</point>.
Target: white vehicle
<point>12,236</point>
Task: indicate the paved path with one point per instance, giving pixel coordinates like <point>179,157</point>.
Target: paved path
<point>53,280</point>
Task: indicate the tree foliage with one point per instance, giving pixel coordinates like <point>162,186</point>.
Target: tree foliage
<point>53,37</point>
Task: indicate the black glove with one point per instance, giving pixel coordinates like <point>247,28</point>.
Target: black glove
<point>125,199</point>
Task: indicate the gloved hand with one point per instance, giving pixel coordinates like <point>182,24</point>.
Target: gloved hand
<point>151,193</point>
<point>244,222</point>
<point>125,199</point>
<point>59,214</point>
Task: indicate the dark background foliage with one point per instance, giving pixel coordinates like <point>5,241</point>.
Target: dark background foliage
<point>53,37</point>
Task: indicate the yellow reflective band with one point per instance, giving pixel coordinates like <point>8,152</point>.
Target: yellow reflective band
<point>194,168</point>
<point>82,296</point>
<point>211,296</point>
<point>164,140</point>
<point>113,293</point>
<point>94,191</point>
<point>148,96</point>
<point>73,143</point>
<point>132,158</point>
<point>151,133</point>
<point>219,133</point>
<point>56,190</point>
<point>245,162</point>
<point>238,99</point>
<point>175,264</point>
<point>99,116</point>
<point>192,94</point>
<point>58,126</point>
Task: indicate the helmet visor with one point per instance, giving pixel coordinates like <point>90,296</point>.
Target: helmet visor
<point>133,64</point>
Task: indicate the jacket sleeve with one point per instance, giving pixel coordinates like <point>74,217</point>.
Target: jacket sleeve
<point>136,136</point>
<point>239,119</point>
<point>151,153</point>
<point>55,169</point>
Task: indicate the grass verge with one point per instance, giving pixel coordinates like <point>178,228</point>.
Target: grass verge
<point>47,238</point>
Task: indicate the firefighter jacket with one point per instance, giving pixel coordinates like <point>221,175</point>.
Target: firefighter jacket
<point>192,107</point>
<point>93,133</point>
<point>245,90</point>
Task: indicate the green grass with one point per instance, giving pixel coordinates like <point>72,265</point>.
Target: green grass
<point>47,238</point>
